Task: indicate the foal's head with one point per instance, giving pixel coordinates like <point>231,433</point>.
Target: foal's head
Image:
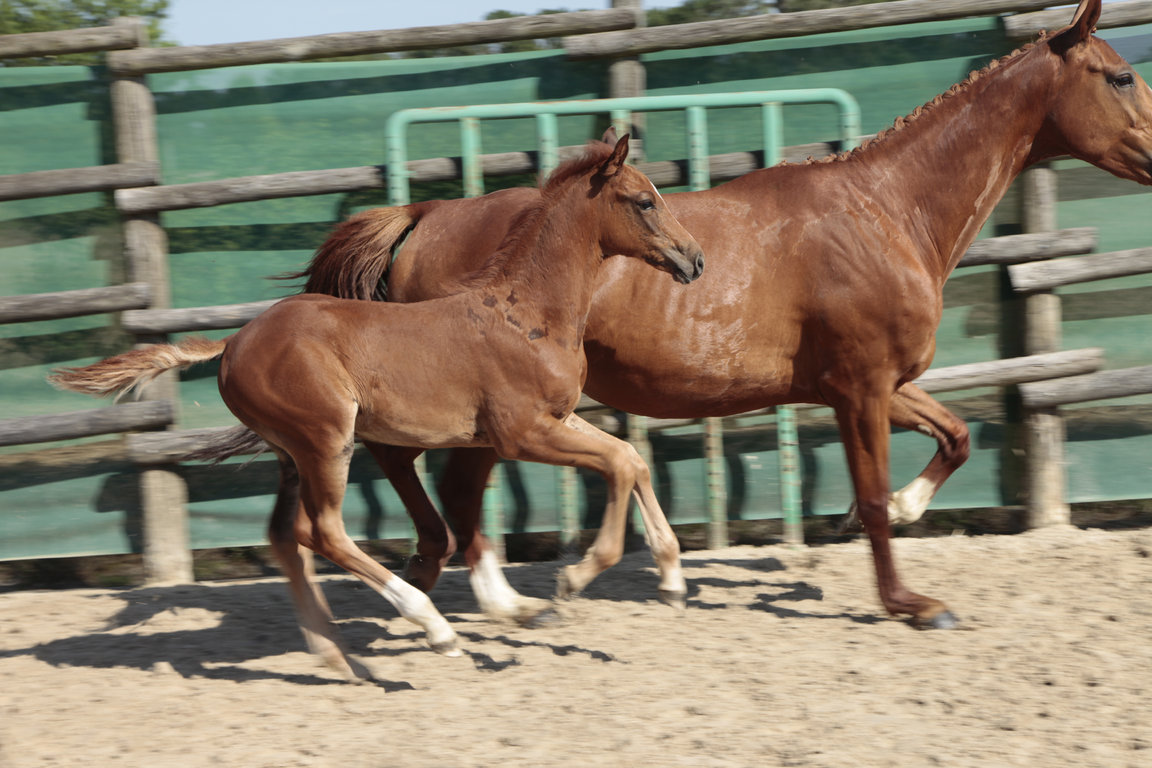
<point>633,219</point>
<point>1101,110</point>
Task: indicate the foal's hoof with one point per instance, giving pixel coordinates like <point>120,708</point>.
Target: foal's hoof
<point>564,587</point>
<point>446,647</point>
<point>546,618</point>
<point>677,598</point>
<point>942,620</point>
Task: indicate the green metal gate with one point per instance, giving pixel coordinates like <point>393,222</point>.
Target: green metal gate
<point>695,107</point>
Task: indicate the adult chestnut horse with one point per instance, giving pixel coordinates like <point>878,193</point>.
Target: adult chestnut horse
<point>498,364</point>
<point>823,285</point>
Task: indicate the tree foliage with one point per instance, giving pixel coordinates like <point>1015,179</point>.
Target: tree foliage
<point>19,16</point>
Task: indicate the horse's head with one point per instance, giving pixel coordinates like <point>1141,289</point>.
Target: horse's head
<point>1101,109</point>
<point>636,221</point>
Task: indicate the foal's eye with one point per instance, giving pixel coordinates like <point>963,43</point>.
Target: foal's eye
<point>1123,80</point>
<point>646,205</point>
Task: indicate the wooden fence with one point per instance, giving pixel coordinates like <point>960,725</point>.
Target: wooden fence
<point>1047,377</point>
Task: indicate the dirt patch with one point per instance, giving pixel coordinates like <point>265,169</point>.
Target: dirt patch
<point>782,658</point>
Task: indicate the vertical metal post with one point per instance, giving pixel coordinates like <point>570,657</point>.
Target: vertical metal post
<point>788,442</point>
<point>716,482</point>
<point>569,508</point>
<point>396,150</point>
<point>699,174</point>
<point>773,133</point>
<point>547,143</point>
<point>622,122</point>
<point>494,510</point>
<point>470,156</point>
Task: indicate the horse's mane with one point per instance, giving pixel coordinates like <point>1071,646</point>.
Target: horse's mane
<point>525,225</point>
<point>959,88</point>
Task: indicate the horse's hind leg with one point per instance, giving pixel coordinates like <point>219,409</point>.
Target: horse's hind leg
<point>435,543</point>
<point>462,493</point>
<point>913,409</point>
<point>312,611</point>
<point>575,442</point>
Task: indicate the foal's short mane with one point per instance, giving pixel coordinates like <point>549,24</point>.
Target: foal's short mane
<point>525,226</point>
<point>956,90</point>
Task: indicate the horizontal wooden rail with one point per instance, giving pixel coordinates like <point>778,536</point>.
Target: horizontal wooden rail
<point>777,25</point>
<point>994,373</point>
<point>1104,385</point>
<point>68,181</point>
<point>150,414</point>
<point>1012,370</point>
<point>1047,275</point>
<point>1016,249</point>
<point>148,60</point>
<point>169,447</point>
<point>1125,14</point>
<point>203,194</point>
<point>157,321</point>
<point>86,301</point>
<point>71,41</point>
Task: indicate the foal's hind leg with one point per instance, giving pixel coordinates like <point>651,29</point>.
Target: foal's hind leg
<point>912,408</point>
<point>312,611</point>
<point>575,442</point>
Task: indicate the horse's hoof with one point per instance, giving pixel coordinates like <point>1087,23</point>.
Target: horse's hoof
<point>546,618</point>
<point>677,598</point>
<point>421,573</point>
<point>942,620</point>
<point>851,523</point>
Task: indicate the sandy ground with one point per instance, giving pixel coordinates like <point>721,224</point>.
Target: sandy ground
<point>781,659</point>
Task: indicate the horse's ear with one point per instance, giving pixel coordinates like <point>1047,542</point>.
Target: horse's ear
<point>1082,26</point>
<point>609,136</point>
<point>616,160</point>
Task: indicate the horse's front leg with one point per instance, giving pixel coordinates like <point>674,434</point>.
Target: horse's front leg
<point>914,409</point>
<point>864,429</point>
<point>574,442</point>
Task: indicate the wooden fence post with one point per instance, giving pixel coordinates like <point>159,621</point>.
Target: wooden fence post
<point>626,76</point>
<point>163,495</point>
<point>1045,480</point>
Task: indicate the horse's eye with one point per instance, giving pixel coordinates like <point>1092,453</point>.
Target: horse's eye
<point>646,205</point>
<point>1123,80</point>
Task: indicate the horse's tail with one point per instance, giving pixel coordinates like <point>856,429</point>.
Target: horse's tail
<point>232,442</point>
<point>131,370</point>
<point>353,262</point>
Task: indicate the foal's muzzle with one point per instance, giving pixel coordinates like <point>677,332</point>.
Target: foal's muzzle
<point>689,266</point>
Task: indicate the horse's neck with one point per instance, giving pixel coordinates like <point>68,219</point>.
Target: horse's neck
<point>949,167</point>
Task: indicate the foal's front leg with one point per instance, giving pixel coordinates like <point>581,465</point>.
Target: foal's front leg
<point>574,442</point>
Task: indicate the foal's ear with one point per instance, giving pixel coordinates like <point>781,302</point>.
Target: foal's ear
<point>609,136</point>
<point>1081,28</point>
<point>616,160</point>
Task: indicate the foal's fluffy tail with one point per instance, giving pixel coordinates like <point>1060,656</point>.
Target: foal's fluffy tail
<point>353,262</point>
<point>123,373</point>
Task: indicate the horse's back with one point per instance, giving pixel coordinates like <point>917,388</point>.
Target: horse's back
<point>451,239</point>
